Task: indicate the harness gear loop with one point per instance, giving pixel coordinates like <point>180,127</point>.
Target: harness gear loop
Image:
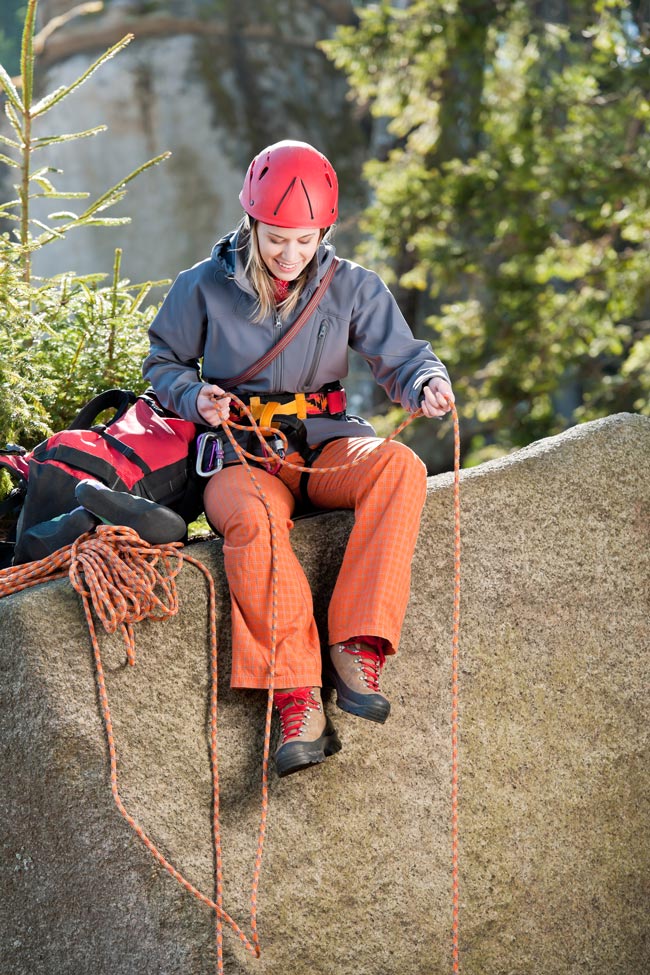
<point>301,406</point>
<point>117,573</point>
<point>267,413</point>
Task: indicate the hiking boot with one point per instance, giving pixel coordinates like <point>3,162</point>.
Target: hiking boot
<point>308,736</point>
<point>153,522</point>
<point>353,670</point>
<point>47,537</point>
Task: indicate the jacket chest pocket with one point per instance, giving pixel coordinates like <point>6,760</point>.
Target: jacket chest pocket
<point>318,352</point>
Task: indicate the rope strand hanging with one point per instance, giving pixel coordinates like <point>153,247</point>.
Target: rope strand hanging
<point>125,580</point>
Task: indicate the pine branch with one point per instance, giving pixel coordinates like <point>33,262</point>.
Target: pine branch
<point>10,142</point>
<point>56,96</point>
<point>27,56</point>
<point>49,140</point>
<point>9,162</point>
<point>118,191</point>
<point>16,124</point>
<point>10,90</point>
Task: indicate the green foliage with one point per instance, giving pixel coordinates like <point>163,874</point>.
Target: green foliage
<point>98,342</point>
<point>22,415</point>
<point>516,199</point>
<point>62,339</point>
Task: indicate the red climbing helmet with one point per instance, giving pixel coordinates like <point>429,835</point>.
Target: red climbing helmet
<point>291,184</point>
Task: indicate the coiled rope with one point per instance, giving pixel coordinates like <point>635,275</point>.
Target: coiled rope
<point>126,580</point>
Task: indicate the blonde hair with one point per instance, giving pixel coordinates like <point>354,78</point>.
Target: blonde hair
<point>261,278</point>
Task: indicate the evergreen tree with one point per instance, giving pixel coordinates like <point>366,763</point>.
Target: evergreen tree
<point>514,205</point>
<point>62,339</point>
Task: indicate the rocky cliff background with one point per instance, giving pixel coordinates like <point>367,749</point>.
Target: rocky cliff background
<point>214,81</point>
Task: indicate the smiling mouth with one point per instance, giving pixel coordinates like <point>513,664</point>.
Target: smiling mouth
<point>287,267</point>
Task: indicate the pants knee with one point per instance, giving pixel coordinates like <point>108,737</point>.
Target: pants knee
<point>406,468</point>
<point>246,524</point>
<point>237,511</point>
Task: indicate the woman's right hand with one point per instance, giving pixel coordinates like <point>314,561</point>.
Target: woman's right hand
<point>213,403</point>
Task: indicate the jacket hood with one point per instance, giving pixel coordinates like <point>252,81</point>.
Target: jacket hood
<point>224,253</point>
<point>229,256</point>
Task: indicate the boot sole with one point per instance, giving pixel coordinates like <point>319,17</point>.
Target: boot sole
<point>295,756</point>
<point>155,523</point>
<point>377,711</point>
<point>371,707</point>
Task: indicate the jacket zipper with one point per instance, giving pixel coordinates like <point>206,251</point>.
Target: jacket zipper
<point>277,325</point>
<point>320,342</point>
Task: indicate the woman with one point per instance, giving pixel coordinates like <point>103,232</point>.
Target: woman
<point>219,317</point>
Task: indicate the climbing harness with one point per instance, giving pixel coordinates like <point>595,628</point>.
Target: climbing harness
<point>330,401</point>
<point>276,414</point>
<point>118,575</point>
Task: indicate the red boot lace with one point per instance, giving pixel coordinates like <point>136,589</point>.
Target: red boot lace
<point>371,661</point>
<point>292,707</point>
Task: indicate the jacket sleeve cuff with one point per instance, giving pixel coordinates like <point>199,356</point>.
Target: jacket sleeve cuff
<point>421,382</point>
<point>188,403</point>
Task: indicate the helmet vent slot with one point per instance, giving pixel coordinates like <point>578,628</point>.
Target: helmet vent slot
<point>311,211</point>
<point>284,196</point>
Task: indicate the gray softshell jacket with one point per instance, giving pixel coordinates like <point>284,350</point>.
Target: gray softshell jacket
<point>204,332</point>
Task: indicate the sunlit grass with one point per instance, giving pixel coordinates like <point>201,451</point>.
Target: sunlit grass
<point>199,529</point>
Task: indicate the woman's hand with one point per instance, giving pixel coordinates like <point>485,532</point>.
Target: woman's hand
<point>213,404</point>
<point>437,398</point>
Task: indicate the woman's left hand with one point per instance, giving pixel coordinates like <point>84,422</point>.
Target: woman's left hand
<point>437,399</point>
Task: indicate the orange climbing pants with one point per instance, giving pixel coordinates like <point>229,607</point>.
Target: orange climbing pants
<point>386,492</point>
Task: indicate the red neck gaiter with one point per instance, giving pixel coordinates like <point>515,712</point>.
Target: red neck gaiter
<point>280,289</point>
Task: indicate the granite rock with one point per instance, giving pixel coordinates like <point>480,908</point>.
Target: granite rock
<point>554,772</point>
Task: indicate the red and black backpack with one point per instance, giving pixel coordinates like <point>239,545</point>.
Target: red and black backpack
<point>143,449</point>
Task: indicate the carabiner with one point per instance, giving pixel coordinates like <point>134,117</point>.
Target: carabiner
<point>275,447</point>
<point>209,454</point>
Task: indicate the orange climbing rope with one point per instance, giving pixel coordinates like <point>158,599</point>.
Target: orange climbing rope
<point>455,896</point>
<point>121,577</point>
<point>126,580</point>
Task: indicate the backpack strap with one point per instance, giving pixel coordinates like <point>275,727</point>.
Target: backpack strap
<point>125,450</point>
<point>82,461</point>
<point>117,399</point>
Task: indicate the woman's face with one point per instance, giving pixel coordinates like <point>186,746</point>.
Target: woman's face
<point>286,251</point>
